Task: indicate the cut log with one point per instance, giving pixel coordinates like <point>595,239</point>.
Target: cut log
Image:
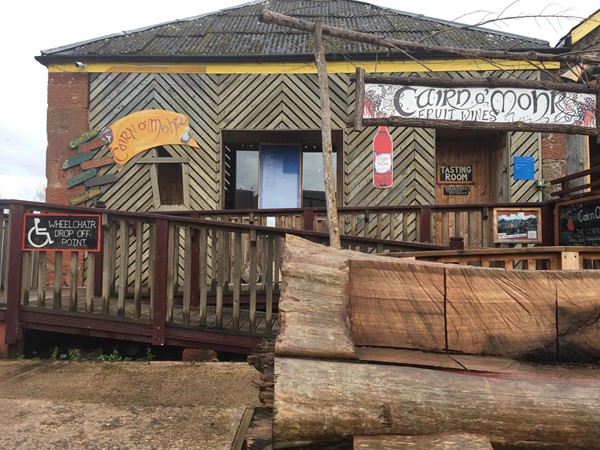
<point>319,401</point>
<point>501,312</point>
<point>314,304</point>
<point>533,315</point>
<point>395,304</point>
<point>430,442</point>
<point>578,315</point>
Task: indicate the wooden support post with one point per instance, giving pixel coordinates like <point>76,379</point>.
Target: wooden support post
<point>569,261</point>
<point>309,218</point>
<point>360,99</point>
<point>14,275</point>
<point>548,225</point>
<point>99,257</point>
<point>425,224</point>
<point>159,285</point>
<point>330,200</point>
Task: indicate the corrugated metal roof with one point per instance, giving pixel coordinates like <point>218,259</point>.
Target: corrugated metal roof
<point>236,32</point>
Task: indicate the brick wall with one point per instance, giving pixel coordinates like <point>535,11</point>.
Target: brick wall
<point>553,161</point>
<point>68,101</point>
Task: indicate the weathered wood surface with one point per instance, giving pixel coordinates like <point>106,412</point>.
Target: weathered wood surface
<point>319,400</point>
<point>518,314</point>
<point>475,364</point>
<point>406,313</point>
<point>314,303</point>
<point>444,441</point>
<point>501,312</point>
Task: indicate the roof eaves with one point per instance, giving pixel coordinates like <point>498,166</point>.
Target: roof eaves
<point>306,57</point>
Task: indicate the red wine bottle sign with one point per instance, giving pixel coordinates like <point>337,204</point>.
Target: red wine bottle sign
<point>383,159</point>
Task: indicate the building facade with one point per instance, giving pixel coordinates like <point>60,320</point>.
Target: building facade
<point>250,92</point>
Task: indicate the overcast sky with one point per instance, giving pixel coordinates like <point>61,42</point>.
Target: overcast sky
<point>27,27</point>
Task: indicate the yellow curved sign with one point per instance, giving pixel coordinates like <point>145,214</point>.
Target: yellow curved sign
<point>143,130</point>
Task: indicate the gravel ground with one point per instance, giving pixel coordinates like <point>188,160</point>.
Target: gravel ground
<point>123,405</point>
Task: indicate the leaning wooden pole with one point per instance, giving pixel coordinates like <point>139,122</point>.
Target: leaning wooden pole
<point>332,218</point>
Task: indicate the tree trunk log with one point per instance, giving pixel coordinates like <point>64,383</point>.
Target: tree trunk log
<point>319,401</point>
<point>430,442</point>
<point>314,315</point>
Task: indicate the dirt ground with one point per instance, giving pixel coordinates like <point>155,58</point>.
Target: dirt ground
<point>123,405</point>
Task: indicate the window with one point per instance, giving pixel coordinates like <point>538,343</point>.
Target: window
<point>169,179</point>
<point>242,166</point>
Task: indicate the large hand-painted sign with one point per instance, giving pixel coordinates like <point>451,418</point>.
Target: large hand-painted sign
<point>490,103</point>
<point>143,130</point>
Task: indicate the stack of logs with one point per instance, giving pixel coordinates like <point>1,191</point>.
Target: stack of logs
<point>374,349</point>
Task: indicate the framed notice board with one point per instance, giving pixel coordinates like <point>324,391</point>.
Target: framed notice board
<point>517,225</point>
<point>279,174</point>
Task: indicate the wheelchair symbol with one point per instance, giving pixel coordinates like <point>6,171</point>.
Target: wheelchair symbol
<point>36,234</point>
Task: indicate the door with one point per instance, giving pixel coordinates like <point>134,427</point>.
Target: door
<point>462,170</point>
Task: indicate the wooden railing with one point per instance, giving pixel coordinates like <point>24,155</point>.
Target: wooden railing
<point>164,270</point>
<point>530,258</point>
<point>435,224</point>
<point>577,184</point>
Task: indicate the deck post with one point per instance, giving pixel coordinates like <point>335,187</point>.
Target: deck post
<point>425,224</point>
<point>548,225</point>
<point>159,285</point>
<point>195,265</point>
<point>14,275</point>
<point>309,217</point>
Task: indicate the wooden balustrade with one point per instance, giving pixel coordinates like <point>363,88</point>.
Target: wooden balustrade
<point>436,224</point>
<point>222,269</point>
<point>164,270</point>
<point>525,258</point>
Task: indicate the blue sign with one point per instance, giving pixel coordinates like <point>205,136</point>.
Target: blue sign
<point>523,168</point>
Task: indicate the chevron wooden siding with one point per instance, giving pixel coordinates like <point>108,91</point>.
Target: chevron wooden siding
<point>280,102</point>
<point>525,144</point>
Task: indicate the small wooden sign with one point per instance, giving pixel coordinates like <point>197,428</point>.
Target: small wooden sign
<point>97,162</point>
<point>78,159</point>
<point>55,232</point>
<point>83,137</point>
<point>78,179</point>
<point>455,174</point>
<point>456,190</point>
<point>99,181</point>
<point>92,145</point>
<point>87,195</point>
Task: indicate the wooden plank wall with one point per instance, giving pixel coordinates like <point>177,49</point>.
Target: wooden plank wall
<point>272,102</point>
<point>277,102</point>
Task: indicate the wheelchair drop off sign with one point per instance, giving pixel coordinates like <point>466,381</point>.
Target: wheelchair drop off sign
<point>61,232</point>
